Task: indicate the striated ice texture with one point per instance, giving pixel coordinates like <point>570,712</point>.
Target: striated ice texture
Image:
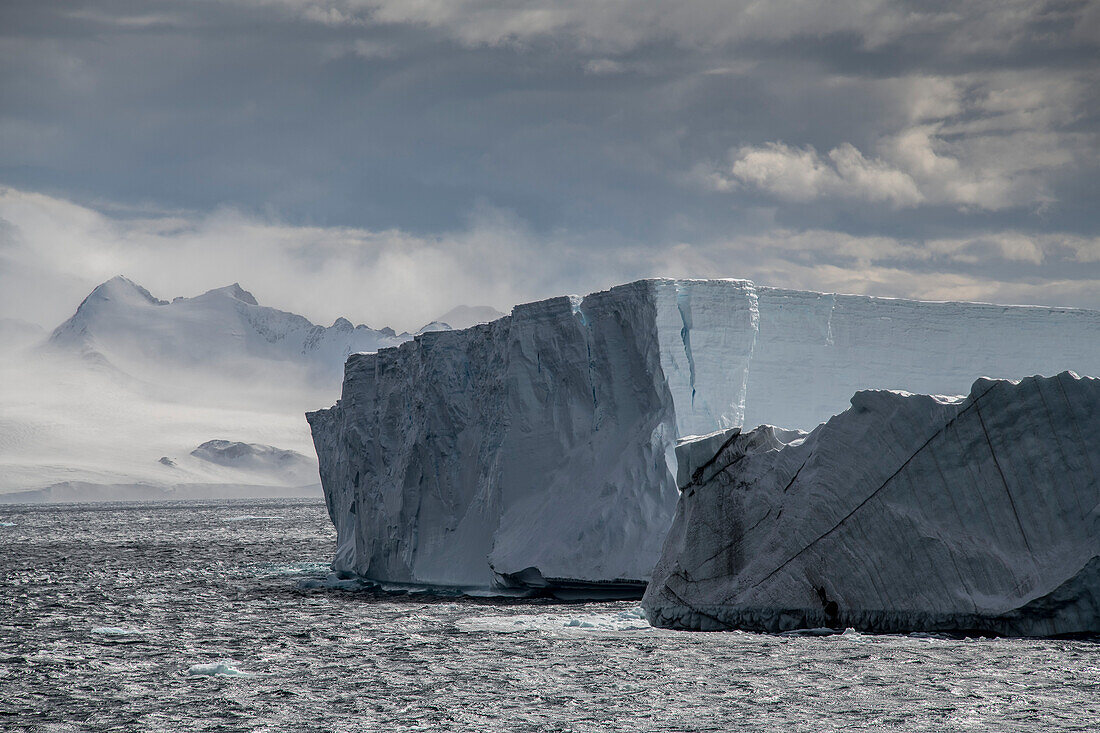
<point>904,513</point>
<point>539,449</point>
<point>530,448</point>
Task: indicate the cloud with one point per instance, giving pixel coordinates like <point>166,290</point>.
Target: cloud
<point>803,175</point>
<point>603,66</point>
<point>978,141</point>
<point>1053,269</point>
<point>53,251</point>
<point>622,25</point>
<point>342,139</point>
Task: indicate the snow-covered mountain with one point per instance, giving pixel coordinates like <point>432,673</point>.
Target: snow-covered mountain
<point>226,330</point>
<point>464,316</point>
<point>113,403</point>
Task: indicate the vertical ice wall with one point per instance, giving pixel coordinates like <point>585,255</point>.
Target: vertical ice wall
<point>540,446</point>
<point>528,450</point>
<point>707,330</point>
<point>814,350</point>
<point>584,488</point>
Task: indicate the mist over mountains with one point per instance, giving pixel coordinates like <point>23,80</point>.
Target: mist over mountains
<point>119,400</point>
<point>223,330</point>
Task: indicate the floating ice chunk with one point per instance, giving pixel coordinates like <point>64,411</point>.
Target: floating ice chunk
<point>116,631</point>
<point>608,622</point>
<point>334,581</point>
<point>296,568</point>
<point>218,668</point>
<point>819,631</point>
<point>576,623</point>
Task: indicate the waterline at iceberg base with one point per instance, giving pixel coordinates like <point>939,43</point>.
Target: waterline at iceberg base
<point>537,453</point>
<point>904,513</point>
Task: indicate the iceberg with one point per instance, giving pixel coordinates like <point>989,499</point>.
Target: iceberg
<point>905,513</point>
<point>537,452</point>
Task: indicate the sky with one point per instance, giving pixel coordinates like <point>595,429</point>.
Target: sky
<point>385,160</point>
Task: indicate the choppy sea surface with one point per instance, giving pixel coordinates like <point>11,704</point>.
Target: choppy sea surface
<point>217,616</point>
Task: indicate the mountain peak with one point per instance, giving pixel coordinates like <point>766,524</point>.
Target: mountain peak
<point>464,316</point>
<point>435,326</point>
<point>121,288</point>
<point>123,325</point>
<point>234,291</point>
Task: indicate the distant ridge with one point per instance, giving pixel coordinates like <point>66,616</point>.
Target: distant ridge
<point>464,316</point>
<point>122,324</point>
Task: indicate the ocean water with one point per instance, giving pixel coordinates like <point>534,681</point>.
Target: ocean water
<point>217,616</point>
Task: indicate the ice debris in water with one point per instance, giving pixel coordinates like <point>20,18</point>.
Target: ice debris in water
<point>296,568</point>
<point>818,631</point>
<point>216,669</point>
<point>116,631</point>
<point>554,623</point>
<point>334,581</point>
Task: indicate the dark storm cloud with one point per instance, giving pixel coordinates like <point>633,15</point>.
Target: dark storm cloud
<point>752,139</point>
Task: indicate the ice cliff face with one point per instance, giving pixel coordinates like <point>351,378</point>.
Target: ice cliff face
<point>903,513</point>
<point>540,448</point>
<point>752,355</point>
<point>527,451</point>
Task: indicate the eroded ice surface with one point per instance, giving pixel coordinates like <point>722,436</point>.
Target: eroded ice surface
<point>539,449</point>
<point>455,461</point>
<point>903,513</point>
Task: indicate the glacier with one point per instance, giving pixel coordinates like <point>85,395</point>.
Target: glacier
<point>975,514</point>
<point>538,452</point>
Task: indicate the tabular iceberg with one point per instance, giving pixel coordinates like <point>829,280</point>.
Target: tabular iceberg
<point>903,513</point>
<point>539,450</point>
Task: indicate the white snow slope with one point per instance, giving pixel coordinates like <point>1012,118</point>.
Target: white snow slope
<point>224,330</point>
<point>904,513</point>
<point>539,449</point>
